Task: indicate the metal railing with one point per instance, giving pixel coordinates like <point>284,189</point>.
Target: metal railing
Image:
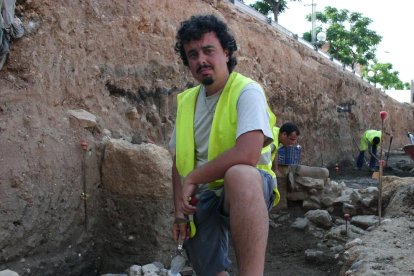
<point>252,12</point>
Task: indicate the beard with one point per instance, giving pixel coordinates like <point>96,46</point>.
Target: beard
<point>207,81</point>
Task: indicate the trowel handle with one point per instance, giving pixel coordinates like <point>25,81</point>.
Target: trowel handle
<point>193,230</point>
<point>181,239</point>
<point>192,226</point>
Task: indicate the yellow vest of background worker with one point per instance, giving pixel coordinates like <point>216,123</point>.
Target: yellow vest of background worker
<point>367,138</point>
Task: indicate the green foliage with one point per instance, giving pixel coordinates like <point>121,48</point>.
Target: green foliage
<point>348,35</point>
<point>349,39</point>
<point>383,74</point>
<point>262,7</point>
<point>268,6</point>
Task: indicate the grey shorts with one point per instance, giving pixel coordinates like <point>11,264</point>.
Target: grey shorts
<point>208,250</point>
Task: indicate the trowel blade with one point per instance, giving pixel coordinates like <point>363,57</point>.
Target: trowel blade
<point>177,264</point>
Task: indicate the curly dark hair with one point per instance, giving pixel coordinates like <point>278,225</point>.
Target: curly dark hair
<point>289,128</point>
<point>195,27</point>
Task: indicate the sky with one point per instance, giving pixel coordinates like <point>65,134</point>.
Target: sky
<point>403,96</point>
<point>393,20</point>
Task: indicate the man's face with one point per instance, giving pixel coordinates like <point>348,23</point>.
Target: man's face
<point>207,60</point>
<point>288,140</point>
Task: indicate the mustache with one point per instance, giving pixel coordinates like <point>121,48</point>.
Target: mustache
<point>203,67</point>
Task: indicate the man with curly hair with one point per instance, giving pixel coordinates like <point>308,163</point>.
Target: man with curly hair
<point>221,147</point>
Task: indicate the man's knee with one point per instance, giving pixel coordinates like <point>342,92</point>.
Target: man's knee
<point>242,180</point>
<point>239,173</point>
<point>242,184</point>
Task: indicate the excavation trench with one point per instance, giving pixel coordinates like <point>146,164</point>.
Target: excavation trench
<point>289,249</point>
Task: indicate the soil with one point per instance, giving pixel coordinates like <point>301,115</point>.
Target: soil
<point>286,250</point>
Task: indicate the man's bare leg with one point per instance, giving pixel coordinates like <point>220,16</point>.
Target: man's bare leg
<point>249,218</point>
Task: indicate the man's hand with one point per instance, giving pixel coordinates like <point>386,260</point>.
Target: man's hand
<point>188,191</point>
<point>179,230</point>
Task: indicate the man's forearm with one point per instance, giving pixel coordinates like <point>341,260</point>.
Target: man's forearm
<point>176,183</point>
<point>214,169</point>
<point>246,151</point>
<point>275,166</point>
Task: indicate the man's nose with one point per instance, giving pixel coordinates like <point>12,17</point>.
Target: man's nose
<point>202,59</point>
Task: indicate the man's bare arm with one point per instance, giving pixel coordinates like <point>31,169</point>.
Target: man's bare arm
<point>247,151</point>
<point>176,183</point>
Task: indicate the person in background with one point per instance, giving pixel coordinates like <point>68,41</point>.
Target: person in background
<point>286,153</point>
<point>369,141</point>
<point>286,135</point>
<point>221,127</point>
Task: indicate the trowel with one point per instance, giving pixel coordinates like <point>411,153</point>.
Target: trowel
<point>178,262</point>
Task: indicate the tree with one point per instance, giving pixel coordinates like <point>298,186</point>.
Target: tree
<point>348,35</point>
<point>383,74</point>
<point>267,6</point>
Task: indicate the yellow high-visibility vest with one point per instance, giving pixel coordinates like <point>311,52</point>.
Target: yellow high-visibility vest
<point>223,129</point>
<point>276,131</point>
<point>367,138</point>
